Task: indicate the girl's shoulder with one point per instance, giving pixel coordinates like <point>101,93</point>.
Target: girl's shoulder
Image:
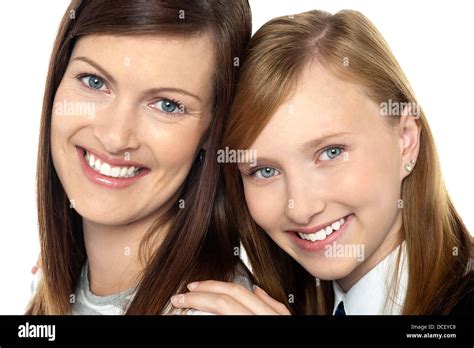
<point>243,277</point>
<point>35,281</point>
<point>465,305</point>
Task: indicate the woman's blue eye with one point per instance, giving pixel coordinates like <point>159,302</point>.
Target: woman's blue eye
<point>168,106</point>
<point>331,153</point>
<point>93,82</point>
<point>265,173</point>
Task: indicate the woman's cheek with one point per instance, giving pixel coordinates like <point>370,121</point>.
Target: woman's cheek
<point>164,136</point>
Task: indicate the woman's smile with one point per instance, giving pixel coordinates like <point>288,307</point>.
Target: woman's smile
<point>109,172</point>
<point>141,113</point>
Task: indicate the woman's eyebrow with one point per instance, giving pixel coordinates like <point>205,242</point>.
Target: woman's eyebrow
<point>109,77</point>
<point>316,142</point>
<point>174,90</point>
<point>104,72</point>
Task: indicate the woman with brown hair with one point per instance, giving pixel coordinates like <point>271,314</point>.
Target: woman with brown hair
<point>345,210</point>
<point>128,202</point>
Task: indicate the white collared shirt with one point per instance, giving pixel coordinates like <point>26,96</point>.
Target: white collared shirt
<point>371,295</point>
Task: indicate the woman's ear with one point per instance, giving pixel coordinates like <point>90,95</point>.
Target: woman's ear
<point>409,133</point>
<point>205,144</point>
<point>203,147</point>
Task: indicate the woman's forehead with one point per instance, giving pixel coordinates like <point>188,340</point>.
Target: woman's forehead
<point>152,60</point>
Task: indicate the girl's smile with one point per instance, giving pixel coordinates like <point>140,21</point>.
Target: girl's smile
<point>319,237</point>
<point>327,171</point>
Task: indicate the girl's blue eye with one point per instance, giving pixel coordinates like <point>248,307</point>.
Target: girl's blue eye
<point>168,106</point>
<point>93,82</point>
<point>265,173</point>
<point>331,153</point>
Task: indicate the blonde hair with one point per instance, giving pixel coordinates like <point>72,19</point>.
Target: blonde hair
<point>347,44</point>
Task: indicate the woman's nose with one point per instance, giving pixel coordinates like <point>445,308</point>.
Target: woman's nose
<point>116,128</point>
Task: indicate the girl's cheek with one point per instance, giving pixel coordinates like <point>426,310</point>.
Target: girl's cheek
<point>265,206</point>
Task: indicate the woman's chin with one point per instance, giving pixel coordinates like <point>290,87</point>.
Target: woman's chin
<point>97,215</point>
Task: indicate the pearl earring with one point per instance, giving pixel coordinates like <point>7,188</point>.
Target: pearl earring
<point>409,167</point>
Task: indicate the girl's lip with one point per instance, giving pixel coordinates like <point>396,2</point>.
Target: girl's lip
<point>321,244</point>
<point>106,181</point>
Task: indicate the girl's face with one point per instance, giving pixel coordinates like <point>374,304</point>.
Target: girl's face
<point>140,106</point>
<point>330,167</point>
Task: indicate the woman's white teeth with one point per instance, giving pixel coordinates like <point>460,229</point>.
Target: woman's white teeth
<point>107,170</point>
<point>323,233</point>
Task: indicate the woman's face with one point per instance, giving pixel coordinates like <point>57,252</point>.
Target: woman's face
<point>330,167</point>
<point>140,106</point>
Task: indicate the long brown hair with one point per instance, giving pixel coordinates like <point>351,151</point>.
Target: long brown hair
<point>347,44</point>
<point>206,241</point>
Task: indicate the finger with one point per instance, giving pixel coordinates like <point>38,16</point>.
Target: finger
<point>279,307</point>
<point>235,291</point>
<point>209,302</point>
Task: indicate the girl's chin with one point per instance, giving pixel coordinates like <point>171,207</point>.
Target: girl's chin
<point>333,270</point>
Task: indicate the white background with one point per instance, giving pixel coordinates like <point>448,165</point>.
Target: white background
<point>432,41</point>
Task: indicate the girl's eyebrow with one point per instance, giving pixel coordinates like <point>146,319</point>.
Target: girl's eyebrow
<point>109,77</point>
<point>316,142</point>
<point>311,144</point>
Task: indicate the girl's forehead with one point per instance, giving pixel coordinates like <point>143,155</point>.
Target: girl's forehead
<point>321,103</point>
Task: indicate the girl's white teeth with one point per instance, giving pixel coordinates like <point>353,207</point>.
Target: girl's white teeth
<point>323,233</point>
<point>107,170</point>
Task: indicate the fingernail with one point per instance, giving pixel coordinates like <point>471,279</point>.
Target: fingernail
<point>177,298</point>
<point>254,287</point>
<point>193,285</point>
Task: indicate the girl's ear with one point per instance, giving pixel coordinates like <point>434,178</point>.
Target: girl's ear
<point>409,133</point>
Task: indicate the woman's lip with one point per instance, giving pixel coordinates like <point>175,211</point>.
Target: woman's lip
<point>107,181</point>
<point>321,244</point>
<point>113,161</point>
